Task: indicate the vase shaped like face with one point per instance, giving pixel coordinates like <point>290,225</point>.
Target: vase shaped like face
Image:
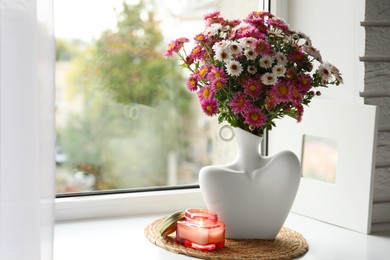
<point>252,195</point>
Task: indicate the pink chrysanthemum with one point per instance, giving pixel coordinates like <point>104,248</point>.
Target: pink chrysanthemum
<point>304,82</point>
<point>202,72</point>
<point>192,83</point>
<point>200,38</point>
<point>209,106</point>
<point>175,46</point>
<point>213,17</point>
<point>257,19</point>
<point>252,88</point>
<point>269,103</point>
<point>218,84</point>
<point>217,73</point>
<point>206,92</point>
<point>299,112</point>
<point>197,52</point>
<point>277,23</point>
<point>239,103</point>
<point>254,117</point>
<point>246,31</point>
<point>263,47</point>
<point>296,96</point>
<point>291,74</point>
<point>297,57</point>
<point>281,91</point>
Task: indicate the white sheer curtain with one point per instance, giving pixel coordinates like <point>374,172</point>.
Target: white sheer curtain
<point>27,53</point>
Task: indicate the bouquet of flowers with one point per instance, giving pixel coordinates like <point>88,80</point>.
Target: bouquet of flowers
<point>250,72</point>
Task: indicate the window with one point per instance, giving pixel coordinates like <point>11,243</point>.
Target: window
<point>124,119</point>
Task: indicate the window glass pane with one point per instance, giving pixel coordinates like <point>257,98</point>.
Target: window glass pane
<point>124,116</point>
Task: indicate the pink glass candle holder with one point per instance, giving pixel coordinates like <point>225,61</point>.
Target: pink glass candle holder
<point>200,229</point>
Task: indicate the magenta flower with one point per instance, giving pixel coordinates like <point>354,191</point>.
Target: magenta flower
<point>202,72</point>
<point>304,83</point>
<point>278,23</point>
<point>200,38</point>
<point>252,88</point>
<point>249,31</point>
<point>263,47</point>
<point>192,83</point>
<point>296,96</point>
<point>217,73</point>
<point>212,16</point>
<point>175,46</point>
<point>281,91</point>
<point>206,92</point>
<point>197,53</point>
<point>239,103</point>
<point>254,117</point>
<point>299,112</point>
<point>218,84</point>
<point>209,106</point>
<point>297,57</point>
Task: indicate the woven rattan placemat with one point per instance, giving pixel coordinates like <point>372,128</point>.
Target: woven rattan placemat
<point>287,245</point>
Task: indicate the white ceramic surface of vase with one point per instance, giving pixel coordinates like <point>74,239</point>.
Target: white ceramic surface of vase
<point>254,194</point>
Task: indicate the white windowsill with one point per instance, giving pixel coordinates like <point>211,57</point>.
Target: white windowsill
<point>127,204</point>
<point>123,238</point>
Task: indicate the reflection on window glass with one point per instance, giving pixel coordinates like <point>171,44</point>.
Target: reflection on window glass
<point>124,118</point>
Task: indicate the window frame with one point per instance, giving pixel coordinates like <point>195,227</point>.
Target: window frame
<point>127,203</point>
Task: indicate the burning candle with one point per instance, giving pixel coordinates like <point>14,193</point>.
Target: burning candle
<point>200,229</point>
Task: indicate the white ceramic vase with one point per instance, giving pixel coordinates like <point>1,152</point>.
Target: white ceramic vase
<point>254,194</point>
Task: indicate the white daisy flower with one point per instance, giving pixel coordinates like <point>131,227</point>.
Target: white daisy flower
<point>223,55</point>
<point>335,71</point>
<point>279,70</point>
<point>281,58</point>
<point>247,41</point>
<point>213,29</point>
<point>251,69</point>
<point>266,62</point>
<point>269,79</point>
<point>325,71</point>
<point>235,48</point>
<point>218,46</point>
<point>233,68</point>
<point>250,54</point>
